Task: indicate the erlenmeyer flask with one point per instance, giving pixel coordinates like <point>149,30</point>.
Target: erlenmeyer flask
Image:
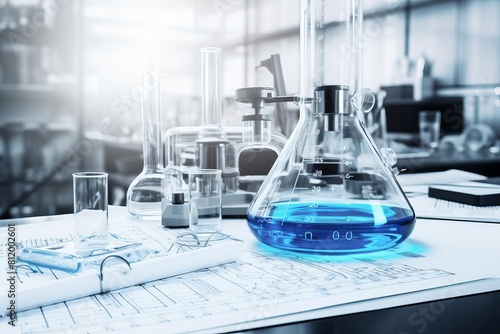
<point>330,191</point>
<point>144,194</point>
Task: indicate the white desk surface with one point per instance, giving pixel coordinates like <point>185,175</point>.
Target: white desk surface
<point>441,259</point>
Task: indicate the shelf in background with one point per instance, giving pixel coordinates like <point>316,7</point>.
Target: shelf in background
<point>37,91</point>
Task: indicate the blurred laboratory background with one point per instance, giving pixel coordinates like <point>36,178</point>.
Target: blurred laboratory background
<point>71,83</point>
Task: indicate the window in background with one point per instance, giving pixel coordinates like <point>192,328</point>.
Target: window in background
<point>120,37</point>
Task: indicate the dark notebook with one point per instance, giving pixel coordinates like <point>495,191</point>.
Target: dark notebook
<point>478,194</point>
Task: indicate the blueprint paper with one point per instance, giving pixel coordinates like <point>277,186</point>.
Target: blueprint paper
<point>427,207</point>
<point>265,283</point>
<point>40,286</point>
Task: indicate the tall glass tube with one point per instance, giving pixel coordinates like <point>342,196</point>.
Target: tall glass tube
<point>145,192</point>
<point>213,148</point>
<point>151,125</point>
<point>355,28</point>
<point>211,102</point>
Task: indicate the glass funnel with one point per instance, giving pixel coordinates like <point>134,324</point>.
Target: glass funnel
<point>330,191</point>
<point>144,194</point>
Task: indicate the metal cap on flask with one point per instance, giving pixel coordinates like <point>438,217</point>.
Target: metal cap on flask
<point>331,101</point>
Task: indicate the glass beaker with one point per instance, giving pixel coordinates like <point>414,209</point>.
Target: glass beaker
<point>144,194</point>
<point>330,191</point>
<point>205,200</point>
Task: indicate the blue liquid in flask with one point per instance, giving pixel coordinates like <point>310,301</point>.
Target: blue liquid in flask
<point>332,228</point>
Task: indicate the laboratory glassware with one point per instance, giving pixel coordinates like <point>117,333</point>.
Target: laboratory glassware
<point>213,149</point>
<point>205,201</point>
<point>331,190</point>
<point>174,205</point>
<point>256,120</point>
<point>90,198</point>
<point>429,126</point>
<point>375,121</point>
<point>144,194</point>
<point>180,148</point>
<point>283,119</point>
<point>258,149</point>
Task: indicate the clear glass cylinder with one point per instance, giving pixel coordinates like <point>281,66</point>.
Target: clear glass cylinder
<point>144,194</point>
<point>211,91</point>
<point>213,149</point>
<point>256,132</point>
<point>330,191</point>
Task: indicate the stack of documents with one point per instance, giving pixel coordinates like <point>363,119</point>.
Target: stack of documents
<point>416,187</point>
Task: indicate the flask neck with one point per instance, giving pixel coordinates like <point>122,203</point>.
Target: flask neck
<point>211,87</point>
<point>151,122</point>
